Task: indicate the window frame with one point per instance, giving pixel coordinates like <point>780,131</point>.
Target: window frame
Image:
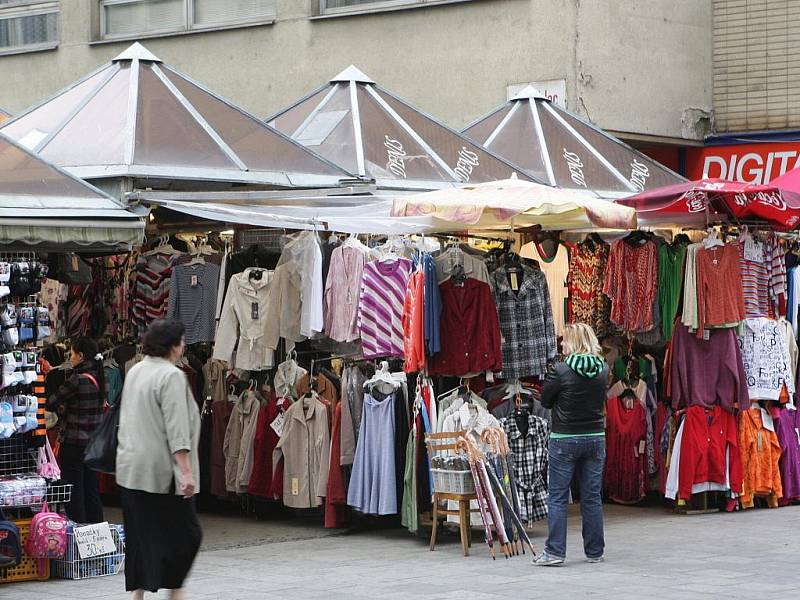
<point>17,9</point>
<point>378,6</point>
<point>188,27</point>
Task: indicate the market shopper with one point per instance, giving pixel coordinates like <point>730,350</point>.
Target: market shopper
<point>575,391</point>
<point>157,466</point>
<point>79,404</point>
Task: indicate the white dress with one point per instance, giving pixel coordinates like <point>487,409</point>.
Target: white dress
<point>556,272</point>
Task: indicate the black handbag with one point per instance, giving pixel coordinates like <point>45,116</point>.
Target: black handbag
<point>101,453</point>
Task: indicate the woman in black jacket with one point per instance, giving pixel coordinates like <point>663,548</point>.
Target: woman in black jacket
<point>79,404</point>
<point>576,392</point>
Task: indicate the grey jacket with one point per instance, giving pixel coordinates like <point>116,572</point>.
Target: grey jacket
<point>158,418</point>
<point>238,443</point>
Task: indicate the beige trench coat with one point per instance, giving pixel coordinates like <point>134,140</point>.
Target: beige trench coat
<point>305,446</point>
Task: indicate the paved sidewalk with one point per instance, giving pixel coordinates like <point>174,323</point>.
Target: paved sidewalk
<point>650,553</point>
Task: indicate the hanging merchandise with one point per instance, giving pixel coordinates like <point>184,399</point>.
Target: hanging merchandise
<point>707,372</point>
<point>469,329</point>
<point>455,260</point>
<point>587,266</point>
<point>787,428</point>
<point>555,266</point>
<point>287,375</point>
<point>765,354</point>
<point>526,320</point>
<point>671,259</point>
<point>380,307</point>
<point>761,451</point>
<point>414,324</point>
<point>432,306</point>
<point>304,449</point>
<point>266,438</point>
<point>631,282</point>
<point>303,255</point>
<point>342,290</point>
<point>193,298</point>
<point>246,319</point>
<point>353,380</point>
<point>720,299</point>
<point>238,443</point>
<point>152,285</point>
<point>626,456</point>
<point>527,441</point>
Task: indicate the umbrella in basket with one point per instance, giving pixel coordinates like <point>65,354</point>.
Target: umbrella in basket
<point>494,204</point>
<point>704,200</point>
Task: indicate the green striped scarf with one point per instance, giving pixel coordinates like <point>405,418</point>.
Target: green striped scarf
<point>585,365</point>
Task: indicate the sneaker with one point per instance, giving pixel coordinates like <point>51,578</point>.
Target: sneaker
<point>545,560</point>
<point>597,559</point>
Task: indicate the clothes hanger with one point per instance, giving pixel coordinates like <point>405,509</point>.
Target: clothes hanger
<point>382,375</point>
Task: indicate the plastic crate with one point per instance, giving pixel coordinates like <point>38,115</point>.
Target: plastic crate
<point>453,482</point>
<point>28,569</point>
<point>74,567</point>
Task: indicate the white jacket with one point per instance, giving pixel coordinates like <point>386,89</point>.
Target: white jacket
<point>244,318</point>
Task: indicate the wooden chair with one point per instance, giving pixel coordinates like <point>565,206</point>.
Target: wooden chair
<point>440,444</point>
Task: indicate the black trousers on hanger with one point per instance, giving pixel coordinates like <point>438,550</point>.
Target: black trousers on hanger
<point>85,506</point>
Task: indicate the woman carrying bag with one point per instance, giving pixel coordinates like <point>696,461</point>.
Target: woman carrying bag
<point>157,466</point>
<point>79,404</point>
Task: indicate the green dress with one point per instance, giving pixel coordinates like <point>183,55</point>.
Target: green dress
<point>670,282</point>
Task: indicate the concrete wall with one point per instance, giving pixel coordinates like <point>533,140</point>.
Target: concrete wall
<point>629,65</point>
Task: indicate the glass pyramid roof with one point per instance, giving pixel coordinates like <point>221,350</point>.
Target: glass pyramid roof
<point>564,150</point>
<point>137,117</point>
<point>363,128</point>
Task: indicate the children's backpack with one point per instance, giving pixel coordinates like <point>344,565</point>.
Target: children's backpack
<point>48,536</point>
<point>10,547</point>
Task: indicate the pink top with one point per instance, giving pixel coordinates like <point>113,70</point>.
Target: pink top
<point>380,309</point>
<point>342,290</point>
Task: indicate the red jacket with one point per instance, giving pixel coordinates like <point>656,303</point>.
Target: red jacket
<point>469,330</point>
<point>263,444</point>
<point>707,434</point>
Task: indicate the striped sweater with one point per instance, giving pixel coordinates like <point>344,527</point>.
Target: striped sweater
<point>380,310</point>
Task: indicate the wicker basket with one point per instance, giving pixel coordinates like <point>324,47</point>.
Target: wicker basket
<point>74,567</point>
<point>453,482</point>
<point>28,569</point>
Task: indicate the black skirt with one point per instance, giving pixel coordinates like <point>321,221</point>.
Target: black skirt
<point>162,537</point>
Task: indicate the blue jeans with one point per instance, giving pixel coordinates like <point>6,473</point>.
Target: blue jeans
<point>584,456</point>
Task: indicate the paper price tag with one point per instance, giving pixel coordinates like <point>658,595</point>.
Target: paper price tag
<point>254,311</point>
<point>295,486</point>
<point>514,282</point>
<point>94,540</point>
<point>194,281</point>
<point>753,251</point>
<point>277,424</point>
<point>641,447</point>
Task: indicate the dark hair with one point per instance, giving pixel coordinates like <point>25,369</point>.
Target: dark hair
<point>90,350</point>
<point>162,336</point>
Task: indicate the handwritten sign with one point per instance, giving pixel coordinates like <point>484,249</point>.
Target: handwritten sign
<point>94,540</point>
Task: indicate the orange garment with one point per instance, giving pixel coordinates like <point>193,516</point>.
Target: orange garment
<point>760,451</point>
<point>414,324</point>
<point>720,296</point>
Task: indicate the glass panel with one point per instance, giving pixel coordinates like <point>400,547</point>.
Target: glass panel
<point>389,151</point>
<point>28,31</point>
<point>330,4</point>
<point>166,134</point>
<point>21,173</point>
<point>144,16</point>
<point>643,172</point>
<point>288,121</point>
<point>258,146</point>
<point>208,13</point>
<point>48,116</point>
<point>97,134</point>
<point>518,142</point>
<point>470,161</point>
<point>481,130</point>
<point>573,165</point>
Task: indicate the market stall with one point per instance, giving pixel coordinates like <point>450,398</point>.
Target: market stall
<point>564,150</point>
<point>50,221</point>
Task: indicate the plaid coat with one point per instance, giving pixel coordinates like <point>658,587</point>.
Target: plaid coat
<point>529,459</point>
<point>526,323</point>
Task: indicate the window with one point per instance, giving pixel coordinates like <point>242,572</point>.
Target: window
<point>132,18</point>
<point>332,7</point>
<point>27,25</point>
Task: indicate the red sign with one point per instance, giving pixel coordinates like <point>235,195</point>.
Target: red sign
<point>746,163</point>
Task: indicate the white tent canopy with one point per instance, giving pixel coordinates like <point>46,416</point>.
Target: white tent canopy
<point>138,117</point>
<point>42,204</point>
